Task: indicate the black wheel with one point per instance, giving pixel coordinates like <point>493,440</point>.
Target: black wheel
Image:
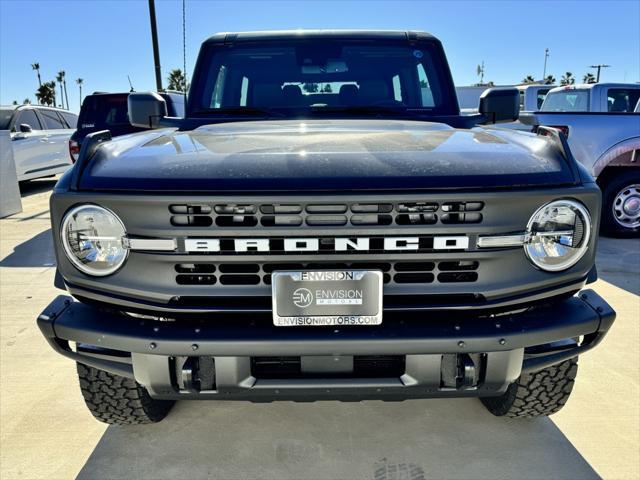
<point>536,394</point>
<point>621,204</point>
<point>119,400</point>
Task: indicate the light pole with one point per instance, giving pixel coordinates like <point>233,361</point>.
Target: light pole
<point>599,66</point>
<point>546,55</point>
<point>154,40</point>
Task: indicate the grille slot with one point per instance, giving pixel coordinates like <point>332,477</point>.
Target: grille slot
<point>449,218</point>
<point>196,279</point>
<point>239,268</point>
<point>232,209</point>
<point>460,265</point>
<point>416,219</point>
<point>260,273</point>
<point>413,277</point>
<point>239,279</point>
<point>270,267</point>
<point>457,277</point>
<point>371,219</point>
<point>372,208</point>
<point>414,266</point>
<point>326,208</point>
<point>385,267</point>
<point>281,220</point>
<point>195,268</point>
<point>191,221</point>
<point>320,220</point>
<point>236,221</point>
<point>191,209</point>
<point>232,215</point>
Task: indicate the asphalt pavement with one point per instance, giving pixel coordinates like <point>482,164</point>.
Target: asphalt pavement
<point>46,431</point>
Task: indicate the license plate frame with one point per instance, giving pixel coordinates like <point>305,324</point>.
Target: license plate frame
<point>307,298</point>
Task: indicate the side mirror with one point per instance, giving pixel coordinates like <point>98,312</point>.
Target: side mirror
<point>25,128</point>
<point>500,105</point>
<point>146,109</point>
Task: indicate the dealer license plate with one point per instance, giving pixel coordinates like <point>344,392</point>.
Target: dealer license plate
<point>327,297</point>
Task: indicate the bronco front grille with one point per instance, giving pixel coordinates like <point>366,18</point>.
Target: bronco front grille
<point>259,273</point>
<point>249,215</point>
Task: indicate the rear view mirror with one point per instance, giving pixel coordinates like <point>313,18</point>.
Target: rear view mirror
<point>146,109</point>
<point>500,105</point>
<point>25,128</point>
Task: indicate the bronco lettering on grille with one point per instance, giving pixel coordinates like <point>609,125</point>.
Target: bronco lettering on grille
<point>308,244</point>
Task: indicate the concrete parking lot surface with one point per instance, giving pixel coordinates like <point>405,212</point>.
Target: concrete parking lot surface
<point>46,432</point>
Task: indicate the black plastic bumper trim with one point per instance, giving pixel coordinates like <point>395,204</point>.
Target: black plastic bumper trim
<point>585,315</point>
<point>607,316</point>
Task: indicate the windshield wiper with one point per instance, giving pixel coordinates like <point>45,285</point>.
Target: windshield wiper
<point>251,111</point>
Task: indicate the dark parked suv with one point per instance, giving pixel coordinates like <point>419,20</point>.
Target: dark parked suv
<point>108,111</point>
<point>324,224</point>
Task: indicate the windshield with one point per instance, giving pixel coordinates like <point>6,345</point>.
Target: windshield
<point>104,111</point>
<point>5,118</point>
<point>312,77</point>
<point>566,101</point>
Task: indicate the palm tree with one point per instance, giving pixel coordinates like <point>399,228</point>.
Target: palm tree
<point>80,81</point>
<point>589,78</point>
<point>59,80</point>
<point>15,102</point>
<point>26,101</point>
<point>64,82</point>
<point>52,89</point>
<point>549,80</point>
<point>177,80</point>
<point>567,79</point>
<point>46,93</point>
<point>528,79</point>
<point>36,67</point>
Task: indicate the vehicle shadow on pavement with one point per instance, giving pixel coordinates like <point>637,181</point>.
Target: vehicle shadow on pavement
<point>417,439</point>
<point>618,262</point>
<point>35,252</point>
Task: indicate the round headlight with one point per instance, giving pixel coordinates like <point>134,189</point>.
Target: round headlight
<point>558,235</point>
<point>92,237</point>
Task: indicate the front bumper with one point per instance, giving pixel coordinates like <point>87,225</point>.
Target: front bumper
<point>484,354</point>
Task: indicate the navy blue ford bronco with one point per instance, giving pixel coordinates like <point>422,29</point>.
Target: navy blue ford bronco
<point>324,224</point>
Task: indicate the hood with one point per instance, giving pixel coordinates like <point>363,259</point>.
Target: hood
<point>323,155</point>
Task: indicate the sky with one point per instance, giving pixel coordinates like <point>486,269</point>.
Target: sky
<point>104,41</point>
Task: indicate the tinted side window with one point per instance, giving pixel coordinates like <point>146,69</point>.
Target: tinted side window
<point>51,120</point>
<point>622,99</point>
<point>426,95</point>
<point>70,118</point>
<point>541,96</point>
<point>568,100</point>
<point>100,111</point>
<point>28,117</point>
<point>522,94</point>
<point>244,90</point>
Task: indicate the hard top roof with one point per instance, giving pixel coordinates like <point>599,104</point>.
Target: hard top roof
<point>230,37</point>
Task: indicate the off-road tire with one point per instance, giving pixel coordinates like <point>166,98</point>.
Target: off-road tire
<point>536,394</point>
<point>119,400</point>
<point>610,188</point>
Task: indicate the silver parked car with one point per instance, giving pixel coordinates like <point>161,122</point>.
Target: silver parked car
<point>39,137</point>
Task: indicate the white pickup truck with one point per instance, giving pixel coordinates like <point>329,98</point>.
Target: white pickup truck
<point>532,96</point>
<point>603,132</point>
